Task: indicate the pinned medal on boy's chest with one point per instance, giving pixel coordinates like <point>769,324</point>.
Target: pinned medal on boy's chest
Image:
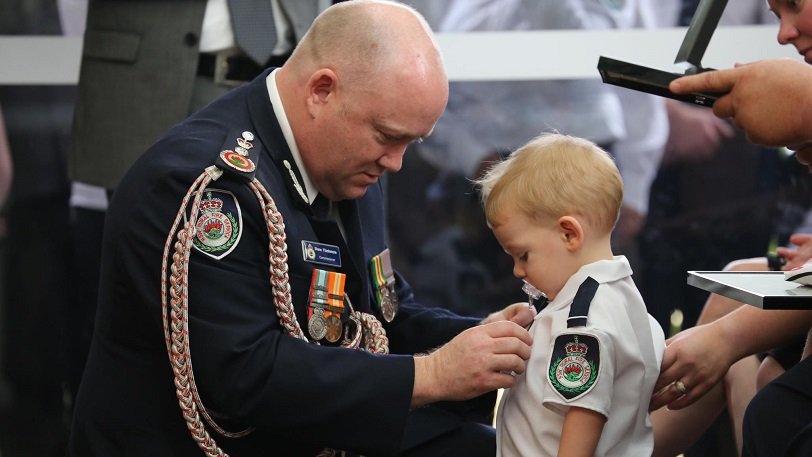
<point>383,283</point>
<point>574,364</point>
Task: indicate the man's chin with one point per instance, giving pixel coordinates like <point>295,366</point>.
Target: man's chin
<point>353,193</point>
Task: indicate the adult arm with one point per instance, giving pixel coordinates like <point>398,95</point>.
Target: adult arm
<point>700,356</point>
<point>478,360</point>
<point>771,100</point>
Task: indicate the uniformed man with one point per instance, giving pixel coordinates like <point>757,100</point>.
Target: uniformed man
<point>247,302</point>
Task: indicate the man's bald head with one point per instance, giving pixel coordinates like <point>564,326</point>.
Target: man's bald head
<point>365,82</point>
<point>363,39</point>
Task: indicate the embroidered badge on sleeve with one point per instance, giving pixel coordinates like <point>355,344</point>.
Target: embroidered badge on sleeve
<point>219,226</point>
<point>574,365</point>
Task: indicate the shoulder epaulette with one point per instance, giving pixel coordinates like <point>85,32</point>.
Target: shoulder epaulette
<point>240,154</point>
<point>579,310</point>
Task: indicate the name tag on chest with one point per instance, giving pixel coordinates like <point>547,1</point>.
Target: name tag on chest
<point>320,253</point>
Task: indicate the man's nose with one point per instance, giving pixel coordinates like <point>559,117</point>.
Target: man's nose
<point>392,160</point>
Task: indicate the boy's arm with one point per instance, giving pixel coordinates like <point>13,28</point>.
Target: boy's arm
<point>581,432</point>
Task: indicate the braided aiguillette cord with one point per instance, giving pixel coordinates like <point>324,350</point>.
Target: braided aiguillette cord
<point>175,316</point>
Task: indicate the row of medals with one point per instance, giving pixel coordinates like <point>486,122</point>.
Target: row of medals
<point>320,326</point>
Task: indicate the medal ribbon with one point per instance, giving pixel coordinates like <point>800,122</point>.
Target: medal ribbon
<point>327,291</point>
<point>380,278</point>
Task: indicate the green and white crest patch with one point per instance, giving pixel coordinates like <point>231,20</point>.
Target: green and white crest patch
<point>219,224</point>
<point>574,364</point>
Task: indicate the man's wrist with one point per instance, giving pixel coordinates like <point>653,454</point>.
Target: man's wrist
<point>425,385</point>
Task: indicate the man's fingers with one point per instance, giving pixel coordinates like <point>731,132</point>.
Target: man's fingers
<point>504,380</point>
<point>512,346</point>
<point>509,363</point>
<point>503,329</point>
<point>709,81</point>
<point>723,107</point>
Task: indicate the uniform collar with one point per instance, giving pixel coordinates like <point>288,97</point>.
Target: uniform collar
<point>602,271</point>
<point>287,132</point>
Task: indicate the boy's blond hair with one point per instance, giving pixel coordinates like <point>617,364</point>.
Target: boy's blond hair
<point>556,175</point>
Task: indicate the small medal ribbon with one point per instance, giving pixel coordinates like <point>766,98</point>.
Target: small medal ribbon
<point>327,292</point>
<point>380,268</point>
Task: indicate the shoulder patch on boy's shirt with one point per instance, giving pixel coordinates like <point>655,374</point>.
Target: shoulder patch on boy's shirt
<point>574,364</point>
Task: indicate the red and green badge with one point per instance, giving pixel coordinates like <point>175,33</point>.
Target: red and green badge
<point>237,161</point>
<point>219,224</point>
<point>574,364</point>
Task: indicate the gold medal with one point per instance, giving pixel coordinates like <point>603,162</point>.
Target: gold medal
<point>334,328</point>
<point>317,324</point>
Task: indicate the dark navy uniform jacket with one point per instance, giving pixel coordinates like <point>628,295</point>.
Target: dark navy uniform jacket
<point>301,397</point>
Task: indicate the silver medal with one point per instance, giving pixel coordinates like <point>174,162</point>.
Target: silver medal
<point>389,303</point>
<point>317,324</point>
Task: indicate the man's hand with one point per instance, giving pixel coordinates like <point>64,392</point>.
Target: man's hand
<point>771,100</point>
<point>479,360</point>
<point>521,313</point>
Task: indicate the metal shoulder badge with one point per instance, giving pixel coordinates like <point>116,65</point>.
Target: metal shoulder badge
<point>576,356</point>
<point>238,155</point>
<point>219,226</point>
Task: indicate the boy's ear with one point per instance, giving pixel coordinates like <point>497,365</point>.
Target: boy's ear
<point>572,232</point>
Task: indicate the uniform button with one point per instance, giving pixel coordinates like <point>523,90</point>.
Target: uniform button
<point>190,39</point>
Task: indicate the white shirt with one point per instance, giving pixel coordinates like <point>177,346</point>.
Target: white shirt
<point>531,413</point>
<point>217,34</point>
<point>308,191</point>
<point>279,110</point>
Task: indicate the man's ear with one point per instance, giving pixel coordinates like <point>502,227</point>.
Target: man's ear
<point>571,231</point>
<point>321,88</point>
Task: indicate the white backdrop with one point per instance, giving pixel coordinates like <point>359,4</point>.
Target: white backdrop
<point>473,56</point>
